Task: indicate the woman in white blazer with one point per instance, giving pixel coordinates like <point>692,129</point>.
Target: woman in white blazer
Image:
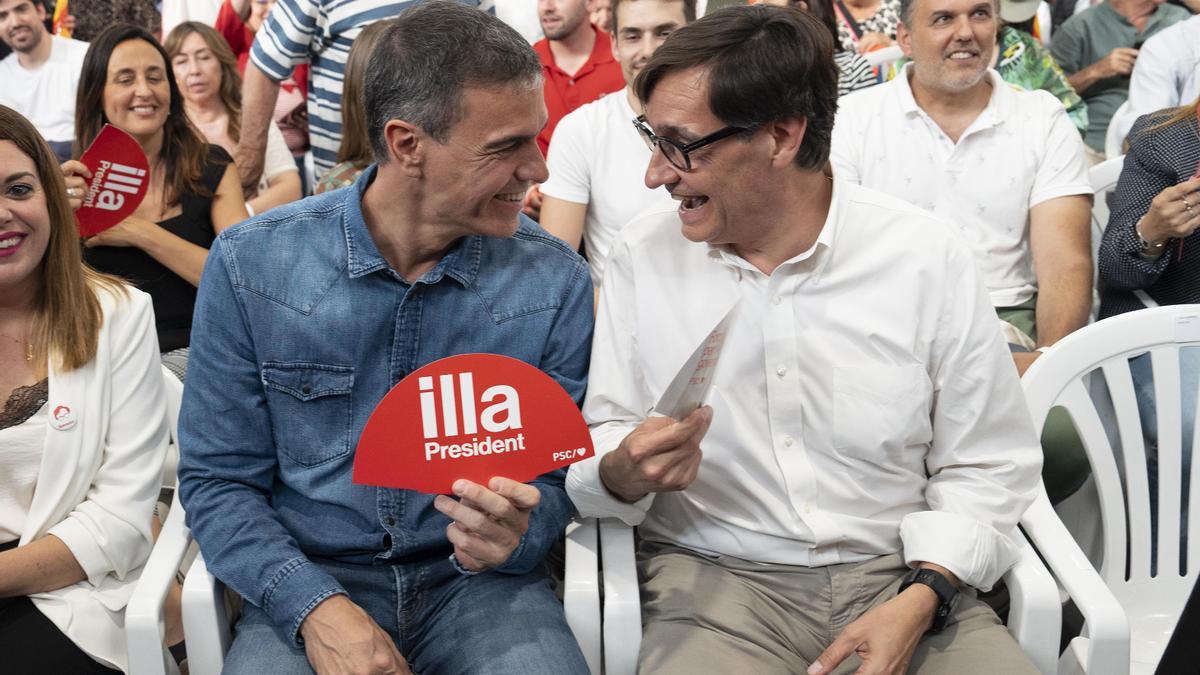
<point>83,431</point>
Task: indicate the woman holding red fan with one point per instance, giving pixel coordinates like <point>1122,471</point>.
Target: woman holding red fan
<point>127,81</point>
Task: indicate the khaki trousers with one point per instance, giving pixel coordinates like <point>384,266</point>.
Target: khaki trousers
<point>726,615</point>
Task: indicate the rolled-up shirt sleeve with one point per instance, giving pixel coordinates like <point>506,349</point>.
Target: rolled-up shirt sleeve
<point>984,461</point>
<point>617,398</point>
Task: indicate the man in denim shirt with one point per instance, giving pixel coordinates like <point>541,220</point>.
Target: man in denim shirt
<point>310,313</point>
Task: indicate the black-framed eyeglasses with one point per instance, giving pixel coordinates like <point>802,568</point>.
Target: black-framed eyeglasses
<point>679,154</point>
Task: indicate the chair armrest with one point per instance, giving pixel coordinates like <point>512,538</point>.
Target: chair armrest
<point>581,588</point>
<point>143,614</point>
<point>205,620</point>
<point>622,603</point>
<point>1107,626</point>
<point>1035,609</point>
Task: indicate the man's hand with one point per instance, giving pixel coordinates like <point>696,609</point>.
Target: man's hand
<point>885,637</point>
<point>1118,62</point>
<point>488,522</point>
<point>660,455</point>
<point>1024,360</point>
<point>342,639</point>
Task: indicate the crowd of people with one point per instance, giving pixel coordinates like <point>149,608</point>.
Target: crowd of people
<point>887,203</point>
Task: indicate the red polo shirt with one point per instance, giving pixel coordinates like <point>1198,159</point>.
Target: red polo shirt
<point>599,75</point>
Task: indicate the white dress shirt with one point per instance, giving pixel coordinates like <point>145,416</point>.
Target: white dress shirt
<point>849,374</point>
<point>1022,150</point>
<point>1166,75</point>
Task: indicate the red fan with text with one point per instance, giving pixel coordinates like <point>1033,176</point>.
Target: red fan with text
<point>119,181</point>
<point>473,416</point>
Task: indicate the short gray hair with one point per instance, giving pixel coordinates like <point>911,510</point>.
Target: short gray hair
<point>428,56</point>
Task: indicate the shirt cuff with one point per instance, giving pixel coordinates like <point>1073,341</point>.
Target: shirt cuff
<point>593,500</point>
<point>295,592</point>
<point>83,546</point>
<point>975,552</point>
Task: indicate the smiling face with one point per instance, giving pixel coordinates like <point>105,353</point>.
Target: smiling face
<point>21,24</point>
<point>950,42</point>
<point>722,193</point>
<point>137,96</point>
<point>561,18</point>
<point>475,182</point>
<point>24,221</point>
<point>641,27</point>
<point>197,70</point>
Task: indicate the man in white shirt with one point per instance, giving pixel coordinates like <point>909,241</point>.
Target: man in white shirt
<point>1004,167</point>
<point>593,189</point>
<point>39,78</point>
<point>864,416</point>
<point>1167,74</point>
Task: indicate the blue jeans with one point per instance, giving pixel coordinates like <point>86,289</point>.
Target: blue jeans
<point>442,622</point>
<point>1141,370</point>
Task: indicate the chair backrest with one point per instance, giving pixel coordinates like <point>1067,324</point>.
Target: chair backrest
<point>1103,178</point>
<point>1068,376</point>
<point>173,390</point>
<point>1118,128</point>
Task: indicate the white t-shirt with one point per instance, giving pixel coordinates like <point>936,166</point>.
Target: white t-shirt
<point>46,95</point>
<point>597,158</point>
<point>1022,150</point>
<point>19,465</point>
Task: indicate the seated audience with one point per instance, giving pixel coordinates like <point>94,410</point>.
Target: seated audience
<point>1167,74</point>
<point>338,576</point>
<point>854,72</point>
<point>354,155</point>
<point>1098,47</point>
<point>866,450</point>
<point>1021,60</point>
<point>1005,167</point>
<point>193,192</point>
<point>39,78</point>
<point>207,76</point>
<point>578,62</point>
<point>866,25</point>
<point>592,191</point>
<point>83,428</point>
<point>1151,248</point>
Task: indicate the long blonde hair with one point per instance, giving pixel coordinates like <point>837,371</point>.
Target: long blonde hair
<point>1174,116</point>
<point>66,312</point>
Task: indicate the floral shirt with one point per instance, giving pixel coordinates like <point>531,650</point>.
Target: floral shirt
<point>1023,61</point>
<point>341,175</point>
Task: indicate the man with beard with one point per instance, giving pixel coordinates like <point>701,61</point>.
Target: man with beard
<point>593,191</point>
<point>41,74</point>
<point>577,61</point>
<point>1006,168</point>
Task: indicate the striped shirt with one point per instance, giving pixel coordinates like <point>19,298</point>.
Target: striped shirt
<point>854,72</point>
<point>320,32</point>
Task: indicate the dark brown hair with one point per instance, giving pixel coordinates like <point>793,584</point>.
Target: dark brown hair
<point>66,313</point>
<point>689,11</point>
<point>764,64</point>
<point>184,151</point>
<point>230,90</point>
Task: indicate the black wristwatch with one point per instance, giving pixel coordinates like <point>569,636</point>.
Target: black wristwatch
<point>945,590</point>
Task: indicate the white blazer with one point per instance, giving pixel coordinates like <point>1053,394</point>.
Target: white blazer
<point>106,440</point>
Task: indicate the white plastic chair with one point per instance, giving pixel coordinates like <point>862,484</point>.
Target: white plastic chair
<point>1103,178</point>
<point>1118,128</point>
<point>206,621</point>
<point>143,614</point>
<point>1034,618</point>
<point>1151,605</point>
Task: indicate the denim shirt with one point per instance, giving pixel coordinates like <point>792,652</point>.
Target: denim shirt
<point>300,329</point>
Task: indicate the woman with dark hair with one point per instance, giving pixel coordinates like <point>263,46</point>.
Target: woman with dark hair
<point>83,428</point>
<point>161,248</point>
<point>207,73</point>
<point>854,72</point>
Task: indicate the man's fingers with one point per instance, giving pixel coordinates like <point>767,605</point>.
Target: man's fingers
<point>522,496</point>
<point>833,655</point>
<point>674,435</point>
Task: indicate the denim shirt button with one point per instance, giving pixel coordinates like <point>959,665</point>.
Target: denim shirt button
<point>306,390</point>
<point>389,521</point>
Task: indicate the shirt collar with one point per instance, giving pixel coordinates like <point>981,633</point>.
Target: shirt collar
<point>997,109</point>
<point>460,263</point>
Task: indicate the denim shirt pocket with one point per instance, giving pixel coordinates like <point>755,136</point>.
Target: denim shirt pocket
<point>310,409</point>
